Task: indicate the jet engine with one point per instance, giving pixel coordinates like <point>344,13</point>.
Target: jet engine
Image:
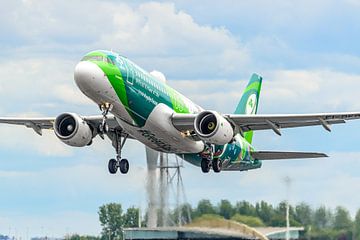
<point>72,130</point>
<point>213,128</point>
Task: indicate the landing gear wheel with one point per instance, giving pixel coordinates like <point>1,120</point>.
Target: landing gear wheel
<point>124,166</point>
<point>205,165</point>
<point>91,141</point>
<point>216,165</point>
<point>112,166</point>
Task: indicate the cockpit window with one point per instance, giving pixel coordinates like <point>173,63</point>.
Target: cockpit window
<point>109,60</point>
<point>92,58</point>
<point>97,58</point>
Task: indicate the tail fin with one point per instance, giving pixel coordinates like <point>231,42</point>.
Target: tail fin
<point>250,100</point>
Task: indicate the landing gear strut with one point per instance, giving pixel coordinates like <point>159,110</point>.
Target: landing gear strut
<point>122,164</point>
<point>208,161</point>
<point>105,108</point>
<point>118,163</point>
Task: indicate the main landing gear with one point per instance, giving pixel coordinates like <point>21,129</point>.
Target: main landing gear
<point>207,164</point>
<point>208,161</point>
<point>116,135</point>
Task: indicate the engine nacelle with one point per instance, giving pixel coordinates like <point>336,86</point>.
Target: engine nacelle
<point>213,128</point>
<point>71,129</point>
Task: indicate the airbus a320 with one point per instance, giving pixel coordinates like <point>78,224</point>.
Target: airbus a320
<point>139,105</point>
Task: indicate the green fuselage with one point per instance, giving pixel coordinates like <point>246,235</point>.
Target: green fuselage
<point>140,92</point>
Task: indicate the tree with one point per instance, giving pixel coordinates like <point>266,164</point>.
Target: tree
<point>131,217</point>
<point>322,217</point>
<point>303,214</point>
<point>204,207</point>
<point>342,220</point>
<point>245,208</point>
<point>111,219</point>
<point>264,211</point>
<point>78,237</point>
<point>186,213</point>
<point>248,220</point>
<point>225,209</point>
<point>357,225</point>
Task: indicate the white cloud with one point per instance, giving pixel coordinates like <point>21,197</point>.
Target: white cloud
<point>34,78</point>
<point>69,94</point>
<point>283,91</point>
<point>13,174</point>
<point>52,225</point>
<point>47,144</point>
<point>355,3</point>
<point>157,33</point>
<point>157,28</point>
<point>171,40</point>
<point>312,90</point>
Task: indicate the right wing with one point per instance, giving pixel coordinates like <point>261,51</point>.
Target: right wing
<point>275,122</point>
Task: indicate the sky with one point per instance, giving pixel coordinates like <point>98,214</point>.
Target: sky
<point>307,52</point>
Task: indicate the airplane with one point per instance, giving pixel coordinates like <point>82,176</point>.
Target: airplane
<point>139,105</point>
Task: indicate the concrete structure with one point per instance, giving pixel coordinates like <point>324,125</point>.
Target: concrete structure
<point>280,232</point>
<point>186,233</point>
<point>174,233</point>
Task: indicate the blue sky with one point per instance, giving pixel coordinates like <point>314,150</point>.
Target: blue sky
<point>307,52</point>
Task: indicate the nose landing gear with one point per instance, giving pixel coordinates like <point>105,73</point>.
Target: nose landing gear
<point>104,127</point>
<point>118,163</point>
<point>122,164</point>
<point>116,135</point>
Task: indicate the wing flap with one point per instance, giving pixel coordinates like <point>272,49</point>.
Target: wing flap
<point>295,124</point>
<point>261,122</point>
<point>272,155</point>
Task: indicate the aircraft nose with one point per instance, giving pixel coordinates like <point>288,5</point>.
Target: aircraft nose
<point>88,76</point>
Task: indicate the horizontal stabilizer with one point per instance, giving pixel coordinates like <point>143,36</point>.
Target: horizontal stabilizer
<point>270,155</point>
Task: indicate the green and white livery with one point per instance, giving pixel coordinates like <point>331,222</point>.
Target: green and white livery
<point>139,105</point>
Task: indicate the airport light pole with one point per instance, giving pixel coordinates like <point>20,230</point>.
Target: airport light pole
<point>287,181</point>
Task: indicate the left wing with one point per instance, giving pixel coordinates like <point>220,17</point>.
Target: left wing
<point>275,122</point>
<point>38,124</point>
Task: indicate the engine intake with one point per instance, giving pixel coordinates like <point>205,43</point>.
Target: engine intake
<point>213,128</point>
<point>71,129</point>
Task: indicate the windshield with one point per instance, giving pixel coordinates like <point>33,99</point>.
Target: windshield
<point>97,58</point>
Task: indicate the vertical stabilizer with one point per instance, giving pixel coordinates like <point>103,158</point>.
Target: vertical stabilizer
<point>249,101</point>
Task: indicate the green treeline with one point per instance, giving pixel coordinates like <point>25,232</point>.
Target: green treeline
<point>319,223</point>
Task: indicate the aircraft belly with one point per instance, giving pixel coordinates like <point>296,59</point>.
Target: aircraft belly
<point>158,133</point>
